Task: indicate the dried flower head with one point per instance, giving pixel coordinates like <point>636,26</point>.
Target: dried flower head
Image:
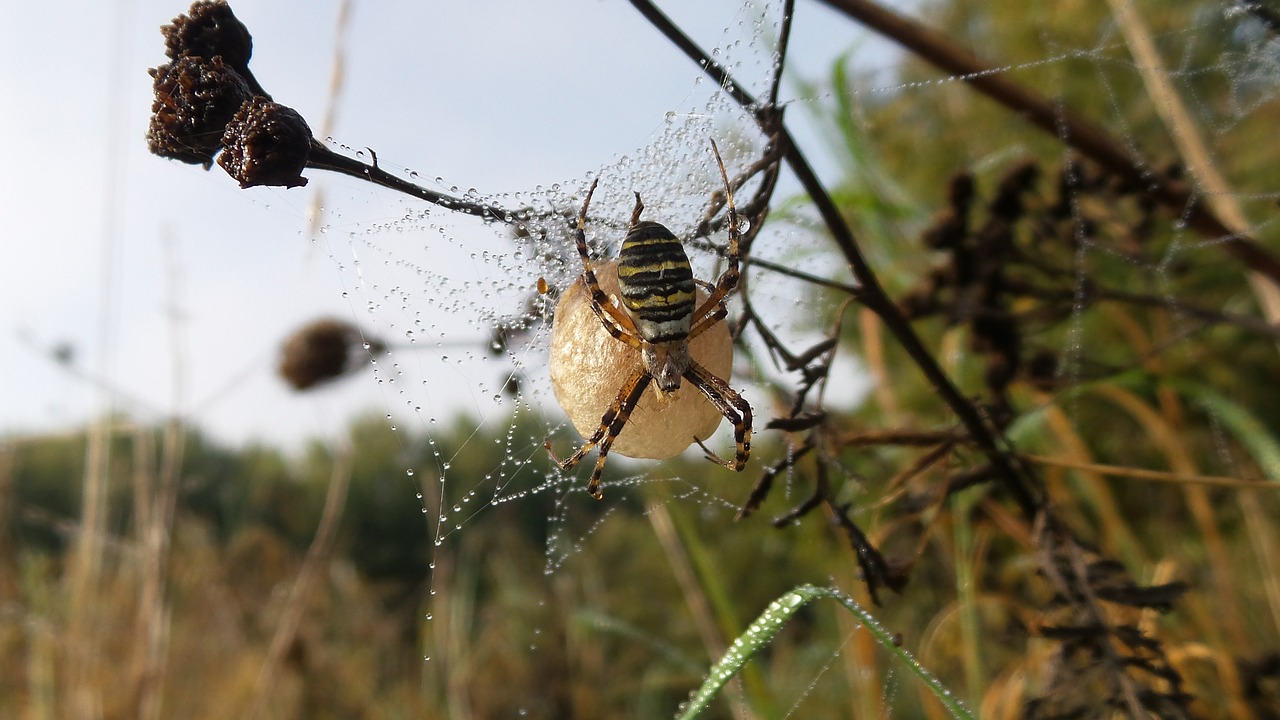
<point>209,29</point>
<point>195,98</point>
<point>324,350</point>
<point>266,143</point>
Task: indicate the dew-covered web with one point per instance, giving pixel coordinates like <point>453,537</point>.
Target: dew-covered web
<point>460,302</point>
<point>465,305</point>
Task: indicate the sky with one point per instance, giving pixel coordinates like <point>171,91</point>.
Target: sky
<point>171,290</point>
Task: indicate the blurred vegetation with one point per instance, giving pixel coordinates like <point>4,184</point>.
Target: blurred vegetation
<point>535,611</point>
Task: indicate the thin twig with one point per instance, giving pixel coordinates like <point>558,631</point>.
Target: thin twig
<point>784,40</point>
<point>1134,473</point>
<point>1089,293</point>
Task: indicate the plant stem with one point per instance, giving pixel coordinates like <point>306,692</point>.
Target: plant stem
<point>322,158</point>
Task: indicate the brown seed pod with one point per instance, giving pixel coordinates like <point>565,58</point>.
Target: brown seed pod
<point>207,29</point>
<point>266,143</point>
<point>195,98</point>
<point>324,350</point>
<point>589,366</point>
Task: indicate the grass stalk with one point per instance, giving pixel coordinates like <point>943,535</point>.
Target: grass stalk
<point>153,608</point>
<point>10,586</point>
<point>317,555</point>
<point>695,594</point>
<point>83,700</point>
<point>962,505</point>
<point>1169,441</point>
<point>775,617</point>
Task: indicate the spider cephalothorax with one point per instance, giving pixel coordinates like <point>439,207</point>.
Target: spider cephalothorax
<point>659,315</point>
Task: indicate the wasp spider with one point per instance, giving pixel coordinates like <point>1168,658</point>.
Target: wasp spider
<point>658,317</point>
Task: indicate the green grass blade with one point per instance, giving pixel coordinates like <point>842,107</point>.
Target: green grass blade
<point>775,617</point>
<point>1261,443</point>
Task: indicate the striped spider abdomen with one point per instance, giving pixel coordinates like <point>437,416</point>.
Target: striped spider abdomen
<point>656,283</point>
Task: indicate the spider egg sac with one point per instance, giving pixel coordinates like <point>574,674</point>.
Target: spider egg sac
<point>589,367</point>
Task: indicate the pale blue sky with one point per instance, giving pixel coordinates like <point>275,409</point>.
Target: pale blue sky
<point>501,96</point>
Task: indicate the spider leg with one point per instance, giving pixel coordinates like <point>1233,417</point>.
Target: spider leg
<point>732,406</point>
<point>611,424</point>
<point>618,324</point>
<point>713,316</point>
<point>718,313</point>
<point>729,278</point>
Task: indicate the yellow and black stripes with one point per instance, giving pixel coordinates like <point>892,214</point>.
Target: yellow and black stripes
<point>656,283</point>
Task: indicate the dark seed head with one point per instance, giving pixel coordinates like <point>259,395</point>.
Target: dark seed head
<point>325,350</point>
<point>266,143</point>
<point>209,28</point>
<point>194,100</point>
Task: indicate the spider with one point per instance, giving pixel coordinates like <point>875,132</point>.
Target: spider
<point>658,317</point>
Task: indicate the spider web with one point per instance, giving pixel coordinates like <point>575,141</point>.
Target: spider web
<point>471,317</point>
